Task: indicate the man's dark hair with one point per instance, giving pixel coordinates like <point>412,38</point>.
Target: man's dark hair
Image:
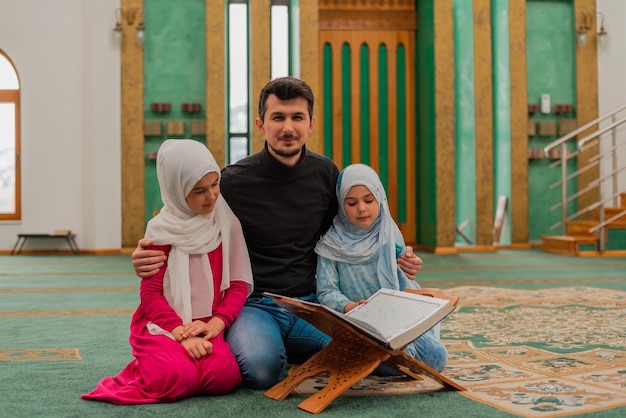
<point>285,88</point>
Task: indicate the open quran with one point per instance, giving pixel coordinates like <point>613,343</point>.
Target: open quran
<point>393,318</point>
<point>363,338</point>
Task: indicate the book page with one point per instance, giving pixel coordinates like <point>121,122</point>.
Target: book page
<point>393,313</point>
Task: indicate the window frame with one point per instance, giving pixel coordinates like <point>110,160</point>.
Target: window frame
<point>286,7</point>
<point>13,96</point>
<point>233,135</point>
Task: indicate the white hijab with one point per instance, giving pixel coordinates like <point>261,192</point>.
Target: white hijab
<point>181,163</point>
<point>351,244</point>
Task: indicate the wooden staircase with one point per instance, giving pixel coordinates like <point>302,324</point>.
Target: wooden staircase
<point>579,242</point>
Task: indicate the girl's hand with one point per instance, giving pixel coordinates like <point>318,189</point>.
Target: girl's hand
<point>194,329</point>
<point>197,347</point>
<point>215,326</point>
<point>207,330</point>
<point>352,305</point>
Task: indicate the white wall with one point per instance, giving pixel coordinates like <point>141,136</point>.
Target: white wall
<point>69,69</point>
<point>611,84</point>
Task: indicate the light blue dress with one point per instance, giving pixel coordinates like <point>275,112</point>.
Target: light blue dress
<point>339,283</point>
<point>353,263</point>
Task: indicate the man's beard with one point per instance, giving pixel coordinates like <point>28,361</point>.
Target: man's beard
<point>286,154</point>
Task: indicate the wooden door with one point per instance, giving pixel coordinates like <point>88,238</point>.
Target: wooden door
<point>368,95</point>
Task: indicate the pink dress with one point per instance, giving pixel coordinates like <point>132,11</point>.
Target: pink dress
<point>163,370</point>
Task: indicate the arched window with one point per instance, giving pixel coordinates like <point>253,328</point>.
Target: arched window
<point>10,208</point>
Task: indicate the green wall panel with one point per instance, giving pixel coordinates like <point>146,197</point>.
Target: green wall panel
<point>465,121</point>
<point>174,72</point>
<point>501,110</point>
<point>327,72</point>
<point>425,157</point>
<point>365,103</point>
<point>174,55</point>
<point>383,112</point>
<point>551,63</point>
<point>346,105</point>
<point>550,42</point>
<point>401,90</point>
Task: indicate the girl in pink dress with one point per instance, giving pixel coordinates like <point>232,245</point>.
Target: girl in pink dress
<point>177,332</point>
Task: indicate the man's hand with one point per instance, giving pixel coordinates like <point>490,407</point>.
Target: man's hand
<point>147,262</point>
<point>410,264</point>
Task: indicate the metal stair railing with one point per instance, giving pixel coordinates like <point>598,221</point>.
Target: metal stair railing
<point>583,144</point>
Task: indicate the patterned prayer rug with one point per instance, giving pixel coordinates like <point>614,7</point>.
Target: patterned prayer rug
<point>549,353</point>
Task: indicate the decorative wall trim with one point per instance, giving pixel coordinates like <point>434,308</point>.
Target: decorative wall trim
<point>133,183</point>
<point>377,5</point>
<point>484,137</point>
<point>310,66</point>
<point>444,121</point>
<point>367,20</point>
<point>216,135</point>
<point>587,98</point>
<point>519,120</point>
<point>261,61</point>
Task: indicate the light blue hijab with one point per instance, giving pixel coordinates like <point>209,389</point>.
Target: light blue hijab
<point>351,244</point>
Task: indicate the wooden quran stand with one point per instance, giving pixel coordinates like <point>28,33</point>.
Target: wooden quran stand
<point>350,357</point>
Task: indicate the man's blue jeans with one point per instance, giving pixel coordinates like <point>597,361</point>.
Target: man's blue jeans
<point>264,335</point>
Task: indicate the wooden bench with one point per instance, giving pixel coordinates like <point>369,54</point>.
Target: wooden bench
<point>65,235</point>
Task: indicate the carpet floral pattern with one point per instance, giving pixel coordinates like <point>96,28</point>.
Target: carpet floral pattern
<point>549,352</point>
<point>533,353</point>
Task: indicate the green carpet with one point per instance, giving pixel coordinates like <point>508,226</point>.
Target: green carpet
<point>64,322</point>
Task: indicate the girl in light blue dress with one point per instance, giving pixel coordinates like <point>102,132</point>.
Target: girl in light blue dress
<point>358,256</point>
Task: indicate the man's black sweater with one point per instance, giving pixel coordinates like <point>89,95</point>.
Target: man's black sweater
<point>283,212</point>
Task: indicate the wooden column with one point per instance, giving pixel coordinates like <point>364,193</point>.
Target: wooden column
<point>444,121</point>
<point>519,118</point>
<point>587,95</point>
<point>483,82</point>
<point>133,222</point>
<point>310,63</point>
<point>260,61</point>
<point>216,80</point>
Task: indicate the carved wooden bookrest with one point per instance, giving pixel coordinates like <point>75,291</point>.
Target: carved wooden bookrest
<point>350,357</point>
